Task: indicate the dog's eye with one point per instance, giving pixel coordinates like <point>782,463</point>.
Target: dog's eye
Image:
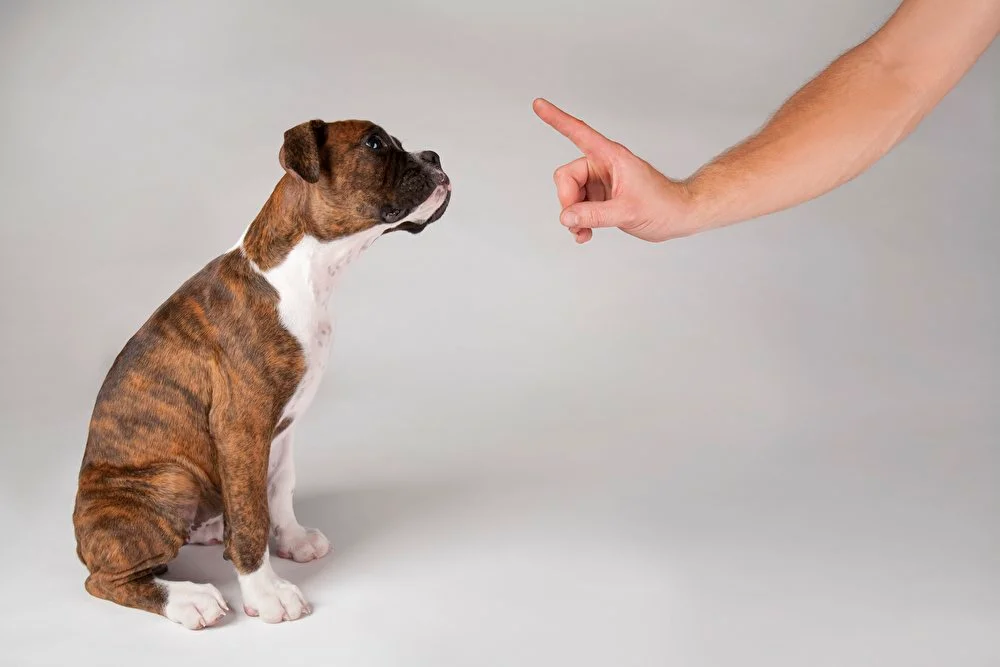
<point>374,142</point>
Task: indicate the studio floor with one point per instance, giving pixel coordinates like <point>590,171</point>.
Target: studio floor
<point>826,549</point>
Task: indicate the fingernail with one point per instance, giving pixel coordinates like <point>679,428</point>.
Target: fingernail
<point>570,219</point>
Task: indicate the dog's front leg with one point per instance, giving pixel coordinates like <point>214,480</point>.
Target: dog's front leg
<point>293,540</point>
<point>242,456</point>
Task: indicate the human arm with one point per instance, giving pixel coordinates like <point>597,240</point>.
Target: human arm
<point>831,130</point>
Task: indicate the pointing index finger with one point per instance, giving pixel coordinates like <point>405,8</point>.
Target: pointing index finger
<point>586,138</point>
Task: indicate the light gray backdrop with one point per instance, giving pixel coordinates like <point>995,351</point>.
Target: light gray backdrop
<point>770,445</point>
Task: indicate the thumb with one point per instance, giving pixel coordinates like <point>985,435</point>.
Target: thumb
<point>594,214</point>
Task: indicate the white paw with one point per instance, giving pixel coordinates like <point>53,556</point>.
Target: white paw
<point>301,544</point>
<point>195,606</point>
<point>270,597</point>
<point>209,532</point>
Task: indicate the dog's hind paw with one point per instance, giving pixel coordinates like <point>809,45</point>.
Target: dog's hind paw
<point>302,544</point>
<point>195,606</point>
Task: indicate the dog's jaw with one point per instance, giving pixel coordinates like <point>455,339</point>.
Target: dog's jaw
<point>429,211</point>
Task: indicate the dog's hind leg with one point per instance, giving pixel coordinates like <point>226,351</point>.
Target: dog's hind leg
<point>128,528</point>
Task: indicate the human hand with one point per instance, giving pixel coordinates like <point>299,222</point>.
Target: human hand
<point>611,187</point>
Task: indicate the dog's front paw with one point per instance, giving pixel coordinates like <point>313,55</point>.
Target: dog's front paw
<point>301,544</point>
<point>270,597</point>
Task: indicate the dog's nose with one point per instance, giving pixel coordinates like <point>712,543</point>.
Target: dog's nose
<point>431,157</point>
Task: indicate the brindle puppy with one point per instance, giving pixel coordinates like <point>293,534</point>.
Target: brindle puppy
<point>190,438</point>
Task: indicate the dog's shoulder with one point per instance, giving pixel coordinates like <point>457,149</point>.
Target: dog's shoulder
<point>221,306</point>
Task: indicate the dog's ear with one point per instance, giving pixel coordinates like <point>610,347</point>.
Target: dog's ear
<point>300,154</point>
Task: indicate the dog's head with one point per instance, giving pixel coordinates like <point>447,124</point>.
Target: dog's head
<point>357,176</point>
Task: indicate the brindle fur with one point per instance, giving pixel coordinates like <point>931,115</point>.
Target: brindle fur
<point>182,426</point>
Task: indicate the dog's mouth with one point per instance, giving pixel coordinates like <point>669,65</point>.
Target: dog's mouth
<point>418,220</point>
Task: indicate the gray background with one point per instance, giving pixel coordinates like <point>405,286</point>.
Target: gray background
<point>775,444</point>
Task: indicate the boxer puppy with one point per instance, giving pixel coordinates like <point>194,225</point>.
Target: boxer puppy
<point>191,434</point>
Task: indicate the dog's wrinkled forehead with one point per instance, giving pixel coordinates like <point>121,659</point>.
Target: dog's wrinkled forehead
<point>349,133</point>
<point>316,148</point>
<point>355,133</point>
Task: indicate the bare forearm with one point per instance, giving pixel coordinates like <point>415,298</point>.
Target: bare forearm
<point>834,128</point>
<point>845,119</point>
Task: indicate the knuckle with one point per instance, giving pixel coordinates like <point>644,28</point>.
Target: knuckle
<point>620,150</point>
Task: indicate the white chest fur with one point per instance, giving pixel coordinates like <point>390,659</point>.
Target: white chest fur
<point>304,282</point>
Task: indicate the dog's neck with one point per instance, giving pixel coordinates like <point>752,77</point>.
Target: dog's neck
<point>282,245</point>
<point>278,228</point>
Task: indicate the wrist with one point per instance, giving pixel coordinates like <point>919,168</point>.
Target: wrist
<point>683,208</point>
<point>701,202</point>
